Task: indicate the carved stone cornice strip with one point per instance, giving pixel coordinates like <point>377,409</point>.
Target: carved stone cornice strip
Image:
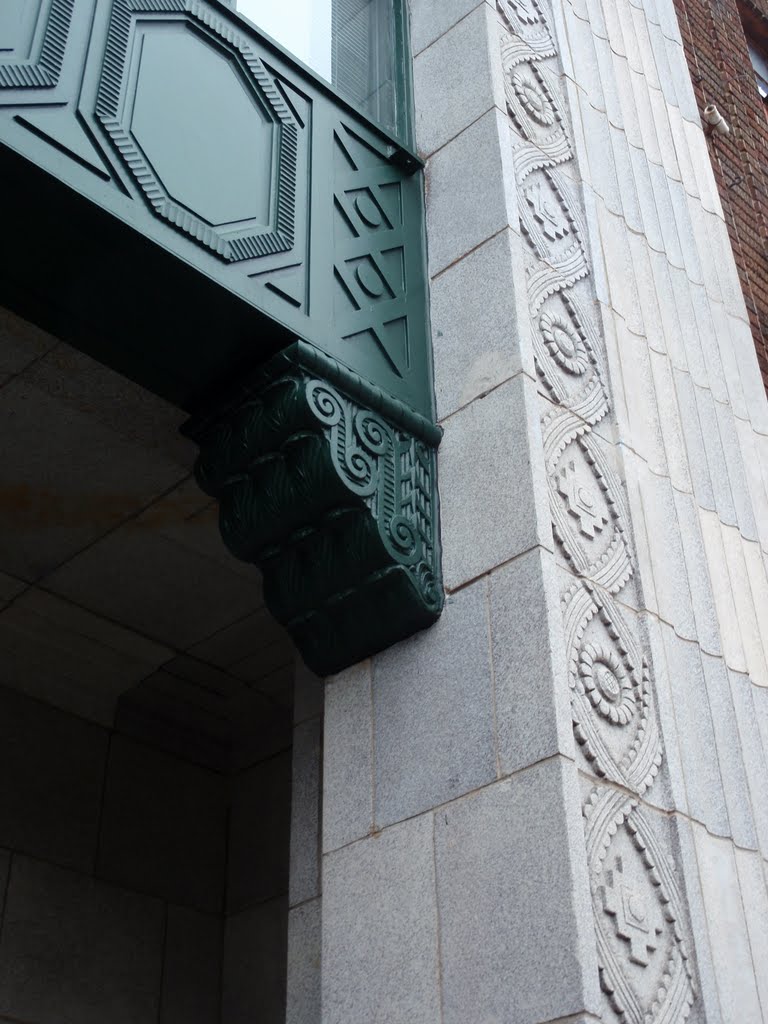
<point>645,971</point>
<point>334,500</point>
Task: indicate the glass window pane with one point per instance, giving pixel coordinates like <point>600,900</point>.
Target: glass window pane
<point>351,43</point>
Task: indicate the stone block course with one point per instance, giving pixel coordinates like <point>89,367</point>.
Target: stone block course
<point>254,966</point>
<point>191,968</point>
<point>651,225</point>
<point>447,104</point>
<point>380,943</point>
<point>348,757</point>
<point>730,634</point>
<point>718,471</point>
<point>708,997</point>
<point>162,827</point>
<point>704,610</point>
<point>433,712</point>
<point>469,198</point>
<point>533,718</point>
<point>78,951</point>
<point>494,499</point>
<point>516,937</point>
<point>698,749</point>
<point>752,884</point>
<point>694,440</point>
<point>304,964</point>
<point>480,337</point>
<point>745,604</point>
<point>259,834</point>
<point>726,925</point>
<point>54,767</point>
<point>755,760</point>
<point>304,866</point>
<point>430,19</point>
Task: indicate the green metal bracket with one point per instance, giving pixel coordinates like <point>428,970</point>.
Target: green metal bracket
<point>185,202</point>
<point>328,485</point>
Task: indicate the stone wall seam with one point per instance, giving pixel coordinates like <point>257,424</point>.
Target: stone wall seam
<point>646,968</point>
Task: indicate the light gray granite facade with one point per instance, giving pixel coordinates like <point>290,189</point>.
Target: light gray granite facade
<point>553,806</point>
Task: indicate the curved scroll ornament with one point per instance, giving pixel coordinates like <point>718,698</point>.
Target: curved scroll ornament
<point>645,970</point>
<point>334,501</point>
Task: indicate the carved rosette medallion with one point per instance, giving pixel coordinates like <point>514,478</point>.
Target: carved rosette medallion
<point>566,348</point>
<point>565,344</point>
<point>645,970</point>
<point>608,682</point>
<point>329,487</point>
<point>536,112</point>
<point>611,701</point>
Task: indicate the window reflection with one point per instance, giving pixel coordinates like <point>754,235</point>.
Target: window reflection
<point>350,43</point>
<point>301,26</point>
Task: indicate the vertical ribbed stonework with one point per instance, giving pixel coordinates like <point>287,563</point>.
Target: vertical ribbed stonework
<point>646,972</point>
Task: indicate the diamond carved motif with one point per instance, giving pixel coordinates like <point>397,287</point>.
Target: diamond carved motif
<point>587,503</point>
<point>645,968</point>
<point>637,919</point>
<point>547,212</point>
<point>581,500</point>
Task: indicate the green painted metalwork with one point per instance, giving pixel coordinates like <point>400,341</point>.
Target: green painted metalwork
<point>333,500</point>
<point>183,201</point>
<point>177,119</point>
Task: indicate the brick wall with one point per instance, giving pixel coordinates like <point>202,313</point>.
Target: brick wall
<point>716,48</point>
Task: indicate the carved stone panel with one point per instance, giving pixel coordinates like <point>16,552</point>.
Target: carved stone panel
<point>645,970</point>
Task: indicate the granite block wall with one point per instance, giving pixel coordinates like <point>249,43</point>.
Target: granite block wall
<point>140,888</point>
<point>304,955</point>
<point>550,806</point>
<point>112,875</point>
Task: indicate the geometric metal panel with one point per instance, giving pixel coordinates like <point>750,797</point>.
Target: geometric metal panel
<point>203,214</point>
<point>43,72</point>
<point>224,143</point>
<point>182,145</point>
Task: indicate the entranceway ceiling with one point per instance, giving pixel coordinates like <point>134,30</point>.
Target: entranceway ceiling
<point>118,600</point>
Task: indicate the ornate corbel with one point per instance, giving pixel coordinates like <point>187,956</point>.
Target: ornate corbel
<point>328,485</point>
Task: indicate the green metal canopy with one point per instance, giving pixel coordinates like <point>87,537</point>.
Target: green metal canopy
<point>188,204</point>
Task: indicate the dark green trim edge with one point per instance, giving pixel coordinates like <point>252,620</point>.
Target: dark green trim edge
<point>329,487</point>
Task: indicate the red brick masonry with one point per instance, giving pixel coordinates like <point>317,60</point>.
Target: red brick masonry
<point>716,48</point>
